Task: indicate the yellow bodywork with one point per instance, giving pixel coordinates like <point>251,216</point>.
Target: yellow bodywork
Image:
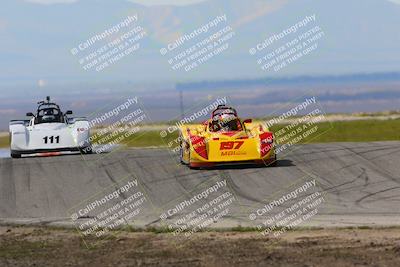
<point>224,147</point>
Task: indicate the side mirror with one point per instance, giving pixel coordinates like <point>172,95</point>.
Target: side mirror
<point>248,121</point>
<point>69,112</point>
<point>29,114</point>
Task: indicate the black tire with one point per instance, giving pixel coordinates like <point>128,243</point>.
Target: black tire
<point>194,168</point>
<point>15,155</point>
<point>181,156</point>
<point>86,150</point>
<point>275,162</point>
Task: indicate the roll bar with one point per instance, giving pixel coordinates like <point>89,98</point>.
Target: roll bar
<point>221,108</point>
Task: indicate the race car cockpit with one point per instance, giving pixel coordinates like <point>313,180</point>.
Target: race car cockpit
<point>225,119</point>
<point>49,115</point>
<point>48,112</point>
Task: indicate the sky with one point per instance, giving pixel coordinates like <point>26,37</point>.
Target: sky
<point>143,2</point>
<point>147,2</point>
<point>39,35</point>
<point>48,47</point>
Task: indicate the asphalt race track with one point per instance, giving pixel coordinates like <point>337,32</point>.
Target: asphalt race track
<point>360,183</point>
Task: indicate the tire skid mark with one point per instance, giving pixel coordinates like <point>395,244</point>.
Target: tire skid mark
<point>376,193</point>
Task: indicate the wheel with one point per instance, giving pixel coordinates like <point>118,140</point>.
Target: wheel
<point>86,150</point>
<point>194,168</point>
<point>15,155</point>
<point>182,154</point>
<point>275,162</point>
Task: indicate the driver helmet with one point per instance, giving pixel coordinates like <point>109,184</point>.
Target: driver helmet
<point>227,117</point>
<point>48,115</point>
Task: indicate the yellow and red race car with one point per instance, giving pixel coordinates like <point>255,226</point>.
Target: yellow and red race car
<point>226,139</point>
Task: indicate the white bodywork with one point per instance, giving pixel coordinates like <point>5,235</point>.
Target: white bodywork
<point>28,138</point>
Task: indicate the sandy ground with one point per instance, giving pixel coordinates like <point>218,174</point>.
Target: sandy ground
<point>28,246</point>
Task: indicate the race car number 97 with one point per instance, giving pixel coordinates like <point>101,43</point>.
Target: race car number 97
<point>231,145</point>
<point>51,139</point>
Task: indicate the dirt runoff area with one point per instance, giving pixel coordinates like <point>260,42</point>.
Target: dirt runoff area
<point>39,246</point>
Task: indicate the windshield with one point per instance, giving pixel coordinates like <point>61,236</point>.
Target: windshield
<point>227,124</point>
<point>49,115</point>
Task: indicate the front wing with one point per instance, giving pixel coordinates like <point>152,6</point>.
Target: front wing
<point>49,142</point>
<point>247,155</point>
<point>200,148</point>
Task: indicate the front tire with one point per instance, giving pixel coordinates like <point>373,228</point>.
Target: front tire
<point>182,152</point>
<point>86,150</point>
<point>15,155</point>
<point>275,162</point>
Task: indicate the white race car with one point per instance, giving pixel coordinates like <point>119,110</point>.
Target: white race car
<point>49,132</point>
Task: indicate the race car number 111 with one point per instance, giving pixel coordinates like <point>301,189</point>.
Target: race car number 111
<point>51,139</point>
